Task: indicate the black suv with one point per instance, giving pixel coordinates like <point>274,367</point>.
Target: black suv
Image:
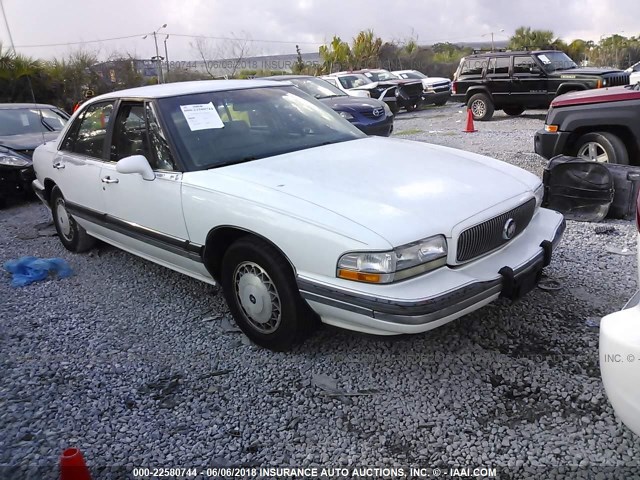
<point>514,81</point>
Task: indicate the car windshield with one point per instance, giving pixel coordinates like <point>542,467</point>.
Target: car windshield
<point>411,75</point>
<point>19,121</point>
<point>317,87</point>
<point>380,76</point>
<point>353,81</point>
<point>553,61</point>
<point>215,129</point>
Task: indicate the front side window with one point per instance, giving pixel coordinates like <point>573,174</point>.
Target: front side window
<point>160,155</point>
<point>498,66</point>
<point>129,132</point>
<point>524,65</point>
<point>214,129</point>
<point>87,135</point>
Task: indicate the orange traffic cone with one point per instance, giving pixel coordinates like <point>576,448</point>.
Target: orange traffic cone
<point>470,127</point>
<point>72,466</point>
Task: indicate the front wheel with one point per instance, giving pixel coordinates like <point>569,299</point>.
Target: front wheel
<point>262,295</point>
<point>73,236</point>
<point>481,107</point>
<point>603,147</point>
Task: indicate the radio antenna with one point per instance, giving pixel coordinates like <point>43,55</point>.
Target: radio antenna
<point>13,49</point>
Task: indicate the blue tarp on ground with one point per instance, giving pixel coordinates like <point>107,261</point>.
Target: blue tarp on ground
<point>27,270</point>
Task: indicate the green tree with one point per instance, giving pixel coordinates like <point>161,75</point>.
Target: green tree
<point>365,50</point>
<point>526,38</point>
<point>335,56</point>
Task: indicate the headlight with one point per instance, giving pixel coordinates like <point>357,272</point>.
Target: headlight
<point>347,116</point>
<point>387,110</point>
<point>12,161</point>
<point>539,194</point>
<point>403,262</point>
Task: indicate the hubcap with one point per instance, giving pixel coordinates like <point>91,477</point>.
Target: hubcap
<point>64,220</point>
<point>593,151</point>
<point>258,297</point>
<point>478,108</point>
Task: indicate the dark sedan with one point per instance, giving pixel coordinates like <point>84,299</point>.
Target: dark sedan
<point>23,127</point>
<point>370,115</point>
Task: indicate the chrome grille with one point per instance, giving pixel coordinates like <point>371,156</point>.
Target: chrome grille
<point>488,235</point>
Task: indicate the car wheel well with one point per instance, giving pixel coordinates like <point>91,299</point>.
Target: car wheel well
<point>48,188</point>
<point>623,133</point>
<point>220,239</point>
<point>472,91</point>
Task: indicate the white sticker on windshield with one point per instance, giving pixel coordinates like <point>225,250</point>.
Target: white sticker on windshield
<point>367,74</point>
<point>201,116</point>
<point>24,119</point>
<point>544,59</point>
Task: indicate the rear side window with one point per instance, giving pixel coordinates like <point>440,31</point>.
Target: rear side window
<point>473,66</point>
<point>498,66</point>
<point>87,135</point>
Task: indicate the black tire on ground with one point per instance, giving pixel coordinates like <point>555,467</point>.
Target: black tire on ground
<point>262,295</point>
<point>513,111</point>
<point>481,107</point>
<point>411,108</point>
<point>73,236</point>
<point>602,147</point>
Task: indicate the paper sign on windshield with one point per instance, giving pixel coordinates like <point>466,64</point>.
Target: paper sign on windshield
<point>544,59</point>
<point>201,116</point>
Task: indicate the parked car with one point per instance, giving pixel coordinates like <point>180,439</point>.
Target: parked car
<point>409,92</point>
<point>436,90</point>
<point>634,73</point>
<point>620,356</point>
<point>515,81</point>
<point>370,115</point>
<point>601,125</point>
<point>294,211</point>
<point>349,84</point>
<point>23,127</point>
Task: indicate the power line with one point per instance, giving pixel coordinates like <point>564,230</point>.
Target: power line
<point>79,43</point>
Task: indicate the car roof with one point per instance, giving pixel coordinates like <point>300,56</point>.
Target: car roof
<point>185,88</point>
<point>511,52</point>
<point>11,106</point>
<point>279,78</point>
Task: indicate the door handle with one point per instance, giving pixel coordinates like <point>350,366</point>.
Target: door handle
<point>108,179</point>
<point>58,165</point>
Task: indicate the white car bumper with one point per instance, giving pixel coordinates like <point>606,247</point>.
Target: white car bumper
<point>620,362</point>
<point>428,301</point>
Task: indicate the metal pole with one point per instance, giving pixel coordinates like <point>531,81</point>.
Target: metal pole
<point>493,48</point>
<point>6,22</point>
<point>158,61</point>
<point>166,53</point>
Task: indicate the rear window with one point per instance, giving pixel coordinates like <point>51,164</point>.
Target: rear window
<point>473,66</point>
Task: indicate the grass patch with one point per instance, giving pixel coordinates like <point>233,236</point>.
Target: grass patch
<point>412,131</point>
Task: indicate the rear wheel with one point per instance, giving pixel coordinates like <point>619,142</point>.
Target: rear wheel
<point>262,295</point>
<point>603,147</point>
<point>73,236</point>
<point>481,107</point>
<point>513,111</point>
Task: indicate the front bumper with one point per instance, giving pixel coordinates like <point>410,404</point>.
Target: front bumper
<point>399,308</point>
<point>620,362</point>
<point>436,98</point>
<point>15,180</point>
<point>382,129</point>
<point>548,144</point>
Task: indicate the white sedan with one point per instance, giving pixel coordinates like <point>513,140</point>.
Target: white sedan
<point>620,356</point>
<point>296,213</point>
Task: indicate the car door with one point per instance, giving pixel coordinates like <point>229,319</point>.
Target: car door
<point>497,76</point>
<point>146,214</point>
<point>529,82</point>
<point>79,160</point>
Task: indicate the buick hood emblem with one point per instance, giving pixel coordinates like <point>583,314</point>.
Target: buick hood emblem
<point>509,229</point>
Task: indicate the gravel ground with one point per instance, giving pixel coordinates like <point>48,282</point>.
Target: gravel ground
<point>140,366</point>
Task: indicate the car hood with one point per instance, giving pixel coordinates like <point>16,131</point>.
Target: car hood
<point>599,95</point>
<point>347,103</point>
<point>434,80</point>
<point>26,141</point>
<point>398,189</point>
<point>587,71</point>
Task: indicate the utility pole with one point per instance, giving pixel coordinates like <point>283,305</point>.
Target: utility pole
<point>157,58</point>
<point>6,23</point>
<point>166,53</point>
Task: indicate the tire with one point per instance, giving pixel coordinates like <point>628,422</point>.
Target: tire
<point>513,111</point>
<point>602,147</point>
<point>73,236</point>
<point>481,107</point>
<point>262,295</point>
<point>393,106</point>
<point>411,108</point>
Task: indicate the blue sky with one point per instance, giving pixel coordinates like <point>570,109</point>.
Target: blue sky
<point>276,26</point>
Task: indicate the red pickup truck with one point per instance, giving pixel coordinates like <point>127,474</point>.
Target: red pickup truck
<point>601,125</point>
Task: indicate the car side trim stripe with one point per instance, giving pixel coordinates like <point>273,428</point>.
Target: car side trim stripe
<point>178,246</point>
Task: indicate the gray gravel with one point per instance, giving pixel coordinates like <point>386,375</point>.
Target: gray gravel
<point>140,366</point>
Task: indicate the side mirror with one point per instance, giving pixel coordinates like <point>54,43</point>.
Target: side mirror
<point>136,164</point>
